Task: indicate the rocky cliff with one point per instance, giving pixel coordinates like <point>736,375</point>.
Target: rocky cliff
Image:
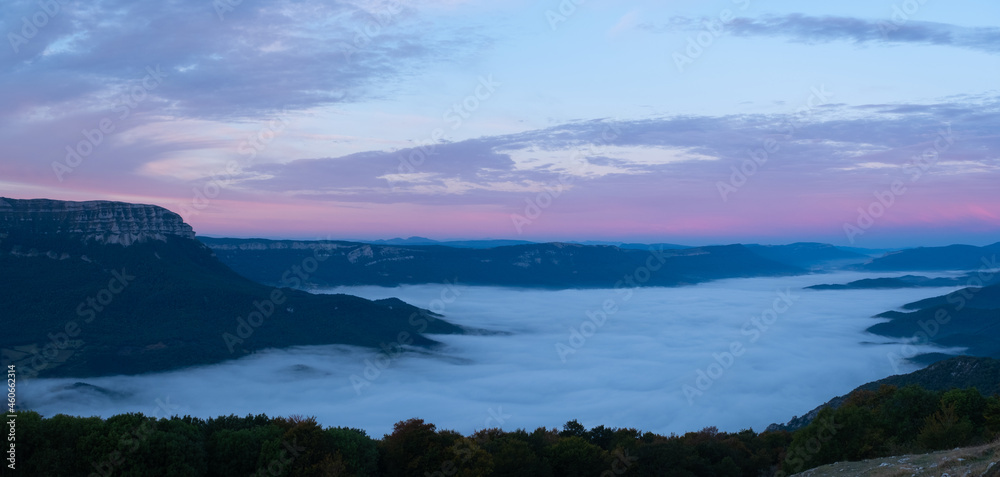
<point>99,221</point>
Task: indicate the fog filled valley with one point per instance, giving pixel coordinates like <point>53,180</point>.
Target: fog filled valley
<point>656,359</point>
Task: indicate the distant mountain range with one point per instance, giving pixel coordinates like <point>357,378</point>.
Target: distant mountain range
<point>952,257</point>
<point>809,255</point>
<point>548,265</point>
<point>908,281</point>
<point>100,288</point>
<point>451,243</point>
<point>491,243</point>
<point>418,260</point>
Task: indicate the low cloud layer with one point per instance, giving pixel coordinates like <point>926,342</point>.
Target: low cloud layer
<point>639,369</point>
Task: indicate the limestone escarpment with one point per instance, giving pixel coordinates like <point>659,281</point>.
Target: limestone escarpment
<point>100,221</point>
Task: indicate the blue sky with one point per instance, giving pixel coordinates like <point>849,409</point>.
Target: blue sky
<point>535,120</point>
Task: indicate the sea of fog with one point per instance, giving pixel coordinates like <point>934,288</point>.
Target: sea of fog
<point>735,354</point>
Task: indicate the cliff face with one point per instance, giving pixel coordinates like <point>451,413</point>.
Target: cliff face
<point>100,221</point>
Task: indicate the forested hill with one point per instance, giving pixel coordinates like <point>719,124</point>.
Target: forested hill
<point>968,318</point>
<point>958,372</point>
<point>99,288</point>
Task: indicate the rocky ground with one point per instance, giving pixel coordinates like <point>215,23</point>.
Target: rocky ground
<point>982,461</point>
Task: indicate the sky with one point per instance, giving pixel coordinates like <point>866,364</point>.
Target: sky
<point>862,123</point>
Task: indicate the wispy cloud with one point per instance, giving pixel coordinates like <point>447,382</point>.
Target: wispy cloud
<point>254,58</point>
<point>819,29</point>
<point>869,139</point>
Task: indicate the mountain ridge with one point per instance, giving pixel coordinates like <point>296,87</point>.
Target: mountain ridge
<point>547,265</point>
<point>90,293</point>
<point>950,257</point>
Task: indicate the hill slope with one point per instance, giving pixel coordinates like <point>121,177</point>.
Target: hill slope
<point>958,372</point>
<point>99,288</point>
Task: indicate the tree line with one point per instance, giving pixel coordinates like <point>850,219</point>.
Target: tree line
<point>869,424</point>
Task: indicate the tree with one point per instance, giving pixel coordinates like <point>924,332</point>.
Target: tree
<point>575,457</point>
<point>902,413</point>
<point>413,448</point>
<point>573,429</point>
<point>946,429</point>
<point>360,452</point>
<point>233,453</point>
<point>992,417</point>
<point>656,453</point>
<point>306,449</point>
<point>968,403</point>
<point>513,457</point>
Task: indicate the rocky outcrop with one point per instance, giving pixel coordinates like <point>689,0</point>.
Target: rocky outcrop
<point>978,461</point>
<point>100,221</point>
